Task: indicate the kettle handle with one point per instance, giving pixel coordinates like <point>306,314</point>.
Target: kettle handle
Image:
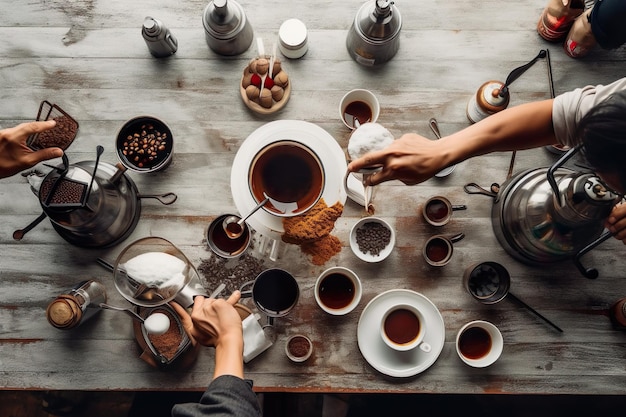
<point>591,273</point>
<point>562,160</point>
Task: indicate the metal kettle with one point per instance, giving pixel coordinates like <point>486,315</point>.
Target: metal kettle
<point>552,214</point>
<point>374,37</point>
<point>90,203</point>
<point>227,28</point>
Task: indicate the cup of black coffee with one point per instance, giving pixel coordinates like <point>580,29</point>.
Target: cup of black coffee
<point>438,249</point>
<point>479,343</point>
<point>403,328</point>
<point>275,292</point>
<point>290,174</point>
<point>437,210</point>
<point>338,291</point>
<point>223,245</point>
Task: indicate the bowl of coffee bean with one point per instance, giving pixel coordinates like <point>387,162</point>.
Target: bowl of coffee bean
<point>372,239</point>
<point>145,144</point>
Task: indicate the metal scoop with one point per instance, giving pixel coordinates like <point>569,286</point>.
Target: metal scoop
<point>233,225</point>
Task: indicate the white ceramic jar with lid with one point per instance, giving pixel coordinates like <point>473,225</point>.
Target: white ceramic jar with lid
<point>293,38</point>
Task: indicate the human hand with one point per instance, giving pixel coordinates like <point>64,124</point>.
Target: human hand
<point>212,321</point>
<point>411,159</point>
<point>616,223</point>
<point>15,155</point>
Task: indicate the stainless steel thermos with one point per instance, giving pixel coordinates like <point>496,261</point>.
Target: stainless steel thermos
<point>159,39</point>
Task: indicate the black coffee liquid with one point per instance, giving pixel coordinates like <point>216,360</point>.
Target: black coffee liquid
<point>357,110</point>
<point>336,291</point>
<point>437,250</point>
<point>475,343</point>
<point>275,291</point>
<point>436,210</point>
<point>402,326</point>
<point>287,173</point>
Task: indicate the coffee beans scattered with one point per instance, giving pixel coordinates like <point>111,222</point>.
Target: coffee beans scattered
<point>232,272</point>
<point>147,147</point>
<point>372,237</point>
<point>61,135</point>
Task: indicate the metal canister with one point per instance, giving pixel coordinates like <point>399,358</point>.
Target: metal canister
<point>488,100</point>
<point>77,305</point>
<point>159,39</point>
<point>227,28</point>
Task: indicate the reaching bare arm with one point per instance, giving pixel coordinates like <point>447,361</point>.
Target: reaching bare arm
<point>413,158</point>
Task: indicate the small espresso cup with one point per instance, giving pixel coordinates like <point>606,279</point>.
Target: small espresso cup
<point>223,245</point>
<point>438,249</point>
<point>403,328</point>
<point>437,210</point>
<point>479,343</point>
<point>358,107</point>
<point>338,291</point>
<point>275,292</point>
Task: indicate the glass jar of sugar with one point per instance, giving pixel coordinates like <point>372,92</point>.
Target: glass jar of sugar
<point>293,38</point>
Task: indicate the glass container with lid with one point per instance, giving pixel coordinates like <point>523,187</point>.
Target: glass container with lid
<point>227,29</point>
<point>373,38</point>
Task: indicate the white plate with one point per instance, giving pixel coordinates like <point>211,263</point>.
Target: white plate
<point>321,142</point>
<point>387,360</point>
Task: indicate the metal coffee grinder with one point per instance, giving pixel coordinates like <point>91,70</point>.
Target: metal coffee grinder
<point>90,204</point>
<point>552,214</point>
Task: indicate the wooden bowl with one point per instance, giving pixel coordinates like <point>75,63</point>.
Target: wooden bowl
<point>256,107</point>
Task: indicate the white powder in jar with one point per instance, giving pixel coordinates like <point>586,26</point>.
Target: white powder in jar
<point>367,138</point>
<point>156,269</point>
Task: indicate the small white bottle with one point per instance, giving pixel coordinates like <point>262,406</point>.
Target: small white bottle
<point>293,38</point>
<point>159,39</point>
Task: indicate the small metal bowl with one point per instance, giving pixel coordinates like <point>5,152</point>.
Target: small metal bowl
<point>145,144</point>
<point>368,256</point>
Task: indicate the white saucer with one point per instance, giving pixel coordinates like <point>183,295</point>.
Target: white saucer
<point>308,134</point>
<point>387,360</point>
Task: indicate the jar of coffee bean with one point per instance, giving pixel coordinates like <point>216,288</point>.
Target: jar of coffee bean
<point>145,144</point>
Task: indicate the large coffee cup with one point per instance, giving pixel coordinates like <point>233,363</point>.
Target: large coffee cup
<point>290,174</point>
<point>403,328</point>
<point>274,291</point>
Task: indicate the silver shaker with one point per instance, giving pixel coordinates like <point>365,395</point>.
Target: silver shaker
<point>159,39</point>
<point>227,28</point>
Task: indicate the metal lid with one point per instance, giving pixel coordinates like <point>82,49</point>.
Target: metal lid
<point>151,25</point>
<point>223,19</point>
<point>378,21</point>
<point>64,312</point>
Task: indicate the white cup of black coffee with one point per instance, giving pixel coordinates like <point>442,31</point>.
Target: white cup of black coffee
<point>358,107</point>
<point>290,174</point>
<point>479,343</point>
<point>275,292</point>
<point>338,290</point>
<point>403,328</point>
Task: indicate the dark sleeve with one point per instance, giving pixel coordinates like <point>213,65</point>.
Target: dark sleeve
<point>226,396</point>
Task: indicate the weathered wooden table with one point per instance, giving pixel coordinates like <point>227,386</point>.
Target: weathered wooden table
<point>89,58</point>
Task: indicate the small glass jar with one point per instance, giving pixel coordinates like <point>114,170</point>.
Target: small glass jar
<point>77,305</point>
<point>293,38</point>
<point>298,348</point>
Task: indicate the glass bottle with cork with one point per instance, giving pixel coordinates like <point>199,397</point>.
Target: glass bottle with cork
<point>77,305</point>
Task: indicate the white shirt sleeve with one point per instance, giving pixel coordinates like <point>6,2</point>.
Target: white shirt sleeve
<point>568,108</point>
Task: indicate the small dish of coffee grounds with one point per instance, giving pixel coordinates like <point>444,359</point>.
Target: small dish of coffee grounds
<point>298,348</point>
<point>372,239</point>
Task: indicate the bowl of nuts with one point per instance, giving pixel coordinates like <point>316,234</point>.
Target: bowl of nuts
<point>145,144</point>
<point>265,86</point>
<point>372,239</point>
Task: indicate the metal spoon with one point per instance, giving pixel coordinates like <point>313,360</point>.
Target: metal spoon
<point>233,225</point>
<point>434,126</point>
<point>154,323</point>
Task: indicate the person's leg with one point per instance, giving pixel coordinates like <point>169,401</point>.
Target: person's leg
<point>608,23</point>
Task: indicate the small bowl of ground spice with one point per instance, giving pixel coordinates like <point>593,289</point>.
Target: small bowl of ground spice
<point>298,348</point>
<point>145,144</point>
<point>372,239</point>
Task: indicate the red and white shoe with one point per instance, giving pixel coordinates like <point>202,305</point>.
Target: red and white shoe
<point>558,17</point>
<point>580,39</point>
